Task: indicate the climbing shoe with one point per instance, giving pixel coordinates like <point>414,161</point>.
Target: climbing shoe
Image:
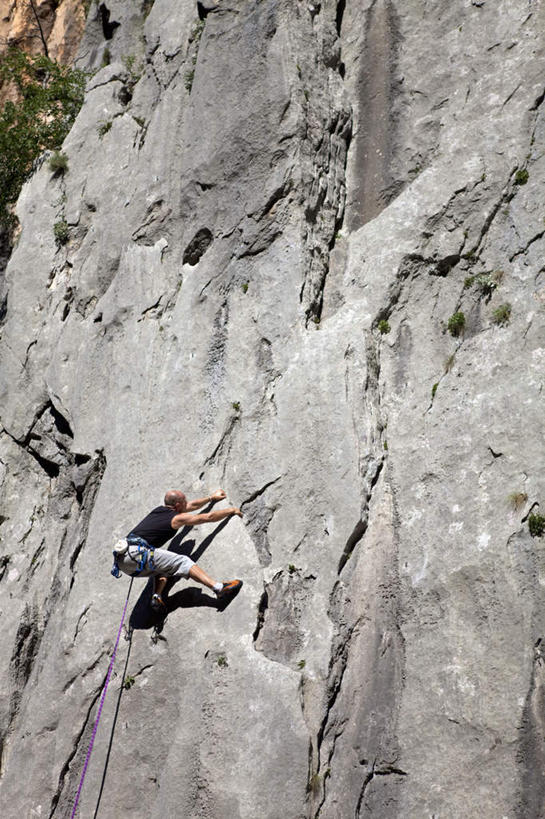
<point>229,588</point>
<point>157,603</point>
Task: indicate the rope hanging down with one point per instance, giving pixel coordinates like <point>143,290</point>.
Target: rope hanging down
<point>114,722</point>
<point>97,720</point>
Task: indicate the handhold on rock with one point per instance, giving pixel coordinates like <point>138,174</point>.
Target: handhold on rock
<point>197,246</point>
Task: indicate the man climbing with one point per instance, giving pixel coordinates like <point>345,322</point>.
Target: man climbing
<point>140,553</point>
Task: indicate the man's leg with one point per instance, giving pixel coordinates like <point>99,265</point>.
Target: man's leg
<point>221,589</point>
<point>169,564</point>
<point>196,573</point>
<point>159,583</point>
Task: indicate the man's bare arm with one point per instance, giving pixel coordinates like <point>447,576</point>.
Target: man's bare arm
<point>187,519</point>
<point>198,502</point>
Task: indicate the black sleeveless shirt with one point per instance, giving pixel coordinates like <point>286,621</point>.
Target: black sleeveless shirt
<point>156,528</point>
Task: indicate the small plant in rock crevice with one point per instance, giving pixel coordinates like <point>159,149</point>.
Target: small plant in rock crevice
<point>104,127</point>
<point>222,661</point>
<point>536,525</point>
<point>301,664</point>
<point>485,283</point>
<point>61,232</point>
<point>434,390</point>
<point>501,315</point>
<point>517,500</point>
<point>58,162</point>
<point>383,327</point>
<point>128,682</point>
<point>189,76</point>
<point>314,784</point>
<point>521,176</point>
<point>456,324</point>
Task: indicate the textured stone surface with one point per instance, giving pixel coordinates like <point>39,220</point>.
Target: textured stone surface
<point>246,202</point>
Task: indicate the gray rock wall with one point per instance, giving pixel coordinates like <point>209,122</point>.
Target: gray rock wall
<point>246,200</point>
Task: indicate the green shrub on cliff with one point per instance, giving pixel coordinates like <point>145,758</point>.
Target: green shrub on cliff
<point>48,98</point>
<point>456,324</point>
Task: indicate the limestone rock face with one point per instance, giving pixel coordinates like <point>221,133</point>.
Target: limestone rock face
<point>273,213</point>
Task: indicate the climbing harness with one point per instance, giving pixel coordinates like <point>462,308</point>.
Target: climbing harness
<point>142,556</point>
<point>99,712</point>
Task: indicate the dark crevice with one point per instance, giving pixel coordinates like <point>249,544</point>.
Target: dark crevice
<point>259,492</point>
<point>384,770</point>
<point>538,102</point>
<point>262,608</point>
<point>341,5</point>
<point>108,27</point>
<point>334,688</point>
<point>60,422</point>
<point>528,244</point>
<point>225,435</point>
<point>27,643</point>
<point>50,468</point>
<point>361,526</point>
<point>198,245</point>
<point>410,267</point>
<point>66,767</point>
<point>3,309</point>
<point>4,563</point>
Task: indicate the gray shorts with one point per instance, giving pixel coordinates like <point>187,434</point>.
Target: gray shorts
<point>166,563</point>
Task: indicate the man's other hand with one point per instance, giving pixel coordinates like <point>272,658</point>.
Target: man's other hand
<point>219,495</point>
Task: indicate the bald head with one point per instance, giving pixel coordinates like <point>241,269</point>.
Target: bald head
<point>176,499</point>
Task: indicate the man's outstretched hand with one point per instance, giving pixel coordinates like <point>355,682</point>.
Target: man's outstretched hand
<point>219,495</point>
<point>237,512</point>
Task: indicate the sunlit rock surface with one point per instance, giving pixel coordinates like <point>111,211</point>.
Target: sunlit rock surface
<point>272,217</point>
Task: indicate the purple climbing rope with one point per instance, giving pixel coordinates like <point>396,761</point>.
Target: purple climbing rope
<point>97,720</point>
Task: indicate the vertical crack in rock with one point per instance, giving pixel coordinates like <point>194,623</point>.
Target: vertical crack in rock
<point>215,365</point>
<point>341,5</point>
<point>27,643</point>
<point>325,208</point>
<point>532,742</point>
<point>261,610</point>
<point>221,450</point>
<point>368,646</point>
<point>257,517</point>
<point>279,632</point>
<point>324,156</point>
<point>86,480</point>
<point>374,143</point>
<point>360,528</point>
<point>383,771</point>
<point>80,740</point>
<point>80,474</point>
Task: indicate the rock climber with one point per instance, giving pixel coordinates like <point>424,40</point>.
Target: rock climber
<point>140,553</point>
